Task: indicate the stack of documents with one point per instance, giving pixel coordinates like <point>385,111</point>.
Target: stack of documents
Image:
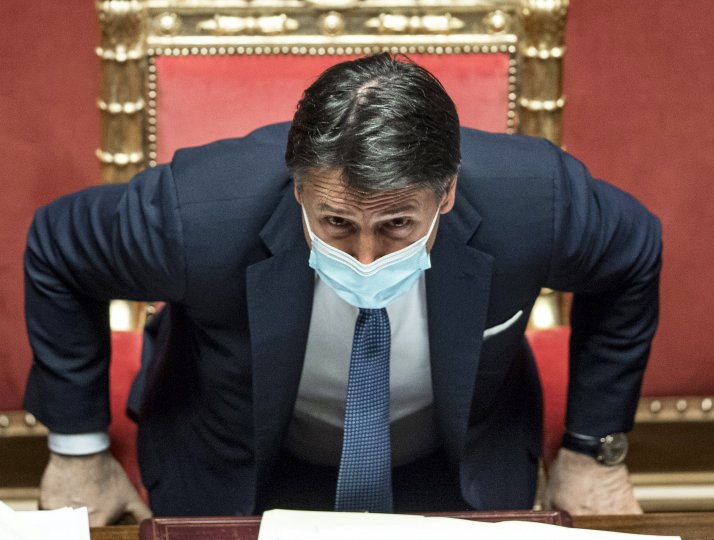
<point>62,524</point>
<point>296,525</point>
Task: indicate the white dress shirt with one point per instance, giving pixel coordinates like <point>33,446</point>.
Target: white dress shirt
<point>315,433</point>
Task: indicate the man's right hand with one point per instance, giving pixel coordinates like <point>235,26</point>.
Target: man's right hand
<point>96,481</point>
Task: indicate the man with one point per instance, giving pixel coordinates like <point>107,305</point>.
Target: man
<point>396,256</point>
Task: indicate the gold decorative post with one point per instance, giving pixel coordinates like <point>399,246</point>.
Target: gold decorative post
<point>541,50</point>
<point>122,105</point>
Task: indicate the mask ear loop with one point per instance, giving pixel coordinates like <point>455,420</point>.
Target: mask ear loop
<point>433,223</point>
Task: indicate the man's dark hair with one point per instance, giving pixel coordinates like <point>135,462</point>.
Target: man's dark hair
<point>383,121</point>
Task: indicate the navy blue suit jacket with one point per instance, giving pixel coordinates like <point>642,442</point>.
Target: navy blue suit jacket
<point>217,235</point>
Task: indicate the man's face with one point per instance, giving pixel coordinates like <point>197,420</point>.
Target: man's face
<point>369,225</point>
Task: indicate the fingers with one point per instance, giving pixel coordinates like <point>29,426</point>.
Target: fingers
<point>138,510</point>
<point>118,502</point>
<point>98,518</point>
<point>131,504</point>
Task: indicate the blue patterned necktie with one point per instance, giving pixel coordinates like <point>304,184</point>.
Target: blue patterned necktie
<point>365,478</point>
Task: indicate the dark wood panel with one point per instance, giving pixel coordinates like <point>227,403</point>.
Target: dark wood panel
<point>668,447</point>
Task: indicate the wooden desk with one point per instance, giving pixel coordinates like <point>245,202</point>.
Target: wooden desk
<point>690,526</point>
<point>122,532</point>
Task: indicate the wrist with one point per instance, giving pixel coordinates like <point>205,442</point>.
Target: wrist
<point>608,450</point>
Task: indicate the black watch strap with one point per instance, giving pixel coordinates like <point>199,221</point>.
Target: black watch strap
<point>608,450</point>
<point>582,444</point>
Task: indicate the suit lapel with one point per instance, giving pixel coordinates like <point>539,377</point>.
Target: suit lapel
<point>280,292</point>
<point>457,289</point>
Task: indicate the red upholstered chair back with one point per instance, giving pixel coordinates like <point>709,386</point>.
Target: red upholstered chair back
<point>204,98</point>
<point>126,361</point>
<point>550,348</point>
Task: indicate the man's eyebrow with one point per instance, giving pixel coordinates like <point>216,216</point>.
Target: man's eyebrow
<point>324,207</point>
<point>407,207</point>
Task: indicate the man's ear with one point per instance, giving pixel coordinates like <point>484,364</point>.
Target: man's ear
<point>449,197</point>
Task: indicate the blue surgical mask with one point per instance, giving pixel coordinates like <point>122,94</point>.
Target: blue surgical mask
<point>372,285</point>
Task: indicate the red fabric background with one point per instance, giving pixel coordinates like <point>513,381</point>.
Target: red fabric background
<point>640,112</point>
<point>49,130</point>
<point>640,90</point>
<point>204,98</point>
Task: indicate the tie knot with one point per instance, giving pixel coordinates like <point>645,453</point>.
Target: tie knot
<point>367,313</point>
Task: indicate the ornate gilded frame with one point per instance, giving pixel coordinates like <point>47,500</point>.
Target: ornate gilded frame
<point>135,32</point>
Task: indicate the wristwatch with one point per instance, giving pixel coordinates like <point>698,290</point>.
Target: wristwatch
<point>608,450</point>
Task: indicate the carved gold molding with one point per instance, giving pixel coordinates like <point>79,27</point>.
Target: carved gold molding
<point>120,53</point>
<point>333,4</point>
<point>497,21</point>
<point>167,24</point>
<point>123,56</point>
<point>127,107</point>
<point>537,105</point>
<point>541,51</point>
<point>385,23</point>
<point>20,423</point>
<point>675,409</point>
<point>120,159</point>
<point>332,23</point>
<point>268,25</point>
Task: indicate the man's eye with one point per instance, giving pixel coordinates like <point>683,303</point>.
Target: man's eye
<point>335,221</point>
<point>398,223</point>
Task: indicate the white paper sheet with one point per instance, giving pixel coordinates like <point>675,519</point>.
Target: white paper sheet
<point>61,524</point>
<point>298,525</point>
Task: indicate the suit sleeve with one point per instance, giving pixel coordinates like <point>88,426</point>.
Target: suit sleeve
<point>113,241</point>
<point>607,250</point>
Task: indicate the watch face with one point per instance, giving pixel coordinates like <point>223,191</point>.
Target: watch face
<point>613,449</point>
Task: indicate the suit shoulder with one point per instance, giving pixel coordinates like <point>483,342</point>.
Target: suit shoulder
<point>238,168</point>
<point>498,155</point>
<point>267,138</point>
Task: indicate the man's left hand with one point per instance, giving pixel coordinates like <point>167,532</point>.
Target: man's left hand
<point>578,484</point>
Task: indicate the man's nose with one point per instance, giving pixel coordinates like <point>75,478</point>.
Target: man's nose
<point>366,249</point>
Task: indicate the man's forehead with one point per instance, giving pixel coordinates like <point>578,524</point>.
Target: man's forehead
<point>330,189</point>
